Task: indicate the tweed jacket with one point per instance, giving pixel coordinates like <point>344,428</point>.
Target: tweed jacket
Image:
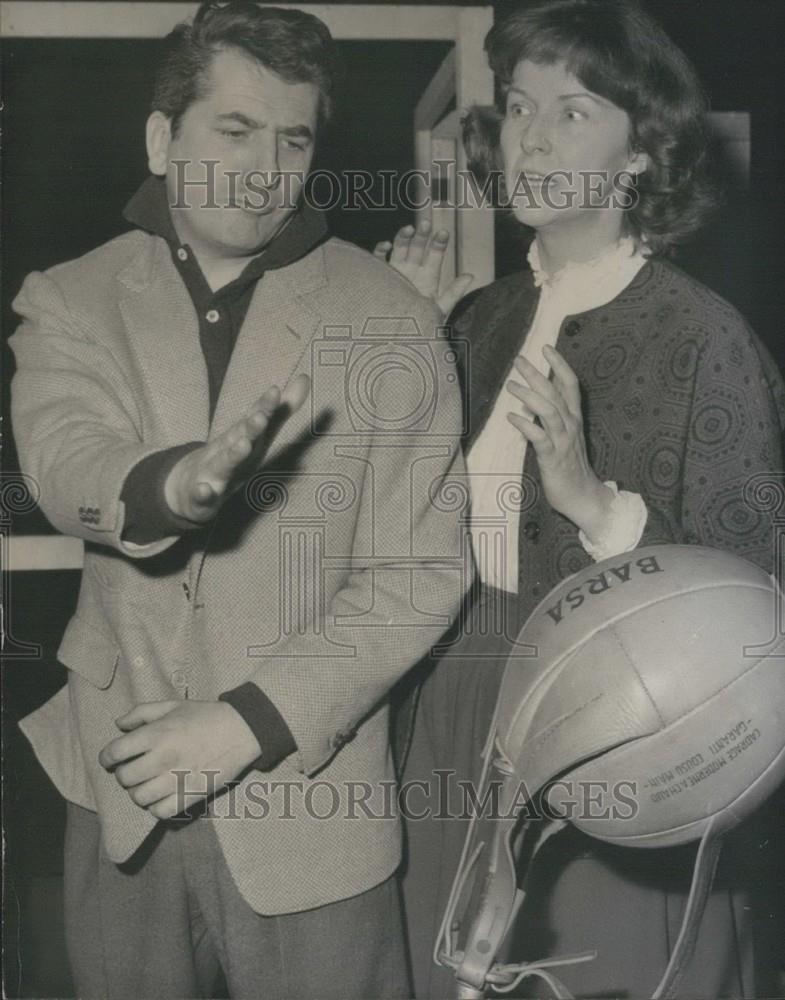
<point>682,404</point>
<point>322,581</point>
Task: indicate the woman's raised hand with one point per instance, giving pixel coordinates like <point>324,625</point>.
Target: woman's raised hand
<point>419,255</point>
<point>551,420</point>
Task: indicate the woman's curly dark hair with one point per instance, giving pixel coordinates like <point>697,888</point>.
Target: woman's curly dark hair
<point>617,51</point>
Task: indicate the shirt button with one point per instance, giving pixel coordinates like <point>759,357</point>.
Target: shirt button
<point>179,679</point>
<point>572,328</point>
<point>213,316</point>
<point>531,531</point>
<point>182,253</point>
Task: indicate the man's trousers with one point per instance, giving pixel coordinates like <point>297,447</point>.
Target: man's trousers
<point>168,922</point>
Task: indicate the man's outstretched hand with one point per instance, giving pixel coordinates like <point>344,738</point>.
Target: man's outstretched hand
<point>200,482</point>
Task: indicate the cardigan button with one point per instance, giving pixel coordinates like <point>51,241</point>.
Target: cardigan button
<point>572,328</point>
<point>531,531</point>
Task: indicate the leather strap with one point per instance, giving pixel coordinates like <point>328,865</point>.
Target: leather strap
<point>702,880</point>
<point>488,857</point>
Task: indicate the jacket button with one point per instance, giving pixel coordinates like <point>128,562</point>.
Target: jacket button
<point>531,531</point>
<point>572,328</point>
<point>179,679</point>
<point>341,738</point>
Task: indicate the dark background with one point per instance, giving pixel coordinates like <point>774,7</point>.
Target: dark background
<point>74,153</point>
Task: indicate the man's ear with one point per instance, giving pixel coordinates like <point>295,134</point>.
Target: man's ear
<point>159,135</point>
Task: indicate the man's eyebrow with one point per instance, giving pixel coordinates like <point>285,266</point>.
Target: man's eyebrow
<point>292,131</point>
<point>240,118</point>
<point>296,132</point>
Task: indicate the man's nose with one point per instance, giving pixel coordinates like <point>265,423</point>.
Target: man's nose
<point>263,161</point>
<point>535,138</point>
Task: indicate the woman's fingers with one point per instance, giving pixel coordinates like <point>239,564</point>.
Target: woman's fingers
<point>534,376</point>
<point>418,253</point>
<point>538,406</point>
<point>432,256</point>
<point>543,386</point>
<point>537,436</point>
<point>565,379</point>
<point>521,393</point>
<point>400,248</point>
<point>420,243</point>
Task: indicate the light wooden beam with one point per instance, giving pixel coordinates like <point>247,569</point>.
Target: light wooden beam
<point>474,85</point>
<point>437,95</point>
<point>80,19</point>
<point>41,552</point>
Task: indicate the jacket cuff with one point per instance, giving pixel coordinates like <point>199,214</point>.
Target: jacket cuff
<point>265,722</point>
<point>148,517</point>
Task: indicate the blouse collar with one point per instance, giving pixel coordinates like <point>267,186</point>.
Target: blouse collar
<point>589,283</point>
<point>607,261</point>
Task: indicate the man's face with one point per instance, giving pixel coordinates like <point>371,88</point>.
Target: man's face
<point>260,131</point>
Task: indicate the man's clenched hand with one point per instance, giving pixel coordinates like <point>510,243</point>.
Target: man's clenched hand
<point>199,483</point>
<point>175,753</point>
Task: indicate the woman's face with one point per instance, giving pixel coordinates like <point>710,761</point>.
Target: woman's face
<point>566,151</point>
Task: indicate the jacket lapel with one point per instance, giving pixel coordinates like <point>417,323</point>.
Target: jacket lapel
<point>277,332</point>
<point>164,335</point>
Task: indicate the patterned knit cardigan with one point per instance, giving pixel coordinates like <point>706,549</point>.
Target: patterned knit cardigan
<point>682,404</point>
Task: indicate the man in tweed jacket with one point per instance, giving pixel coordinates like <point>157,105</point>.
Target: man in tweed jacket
<point>233,647</point>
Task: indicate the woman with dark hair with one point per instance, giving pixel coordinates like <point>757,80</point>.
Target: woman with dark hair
<point>621,403</point>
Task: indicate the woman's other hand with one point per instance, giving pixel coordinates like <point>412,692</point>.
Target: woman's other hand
<point>552,422</point>
<point>419,256</point>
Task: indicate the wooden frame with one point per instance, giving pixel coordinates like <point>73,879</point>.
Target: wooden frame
<point>140,19</point>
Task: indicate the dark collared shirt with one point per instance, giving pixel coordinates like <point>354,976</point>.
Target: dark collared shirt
<point>221,315</point>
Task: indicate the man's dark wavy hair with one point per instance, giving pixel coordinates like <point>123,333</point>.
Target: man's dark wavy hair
<point>617,51</point>
<point>295,45</point>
